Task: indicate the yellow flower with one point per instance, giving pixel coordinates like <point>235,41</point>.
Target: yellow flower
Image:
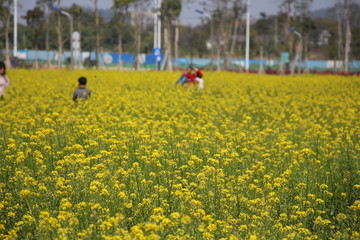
<point>65,204</point>
<point>249,155</point>
<point>341,217</point>
<point>253,237</point>
<point>151,227</point>
<point>186,219</point>
<point>129,205</point>
<point>320,221</point>
<point>311,196</point>
<point>11,214</point>
<point>104,192</point>
<point>175,215</point>
<point>25,193</point>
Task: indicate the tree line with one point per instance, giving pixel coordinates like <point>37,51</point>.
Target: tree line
<point>220,36</point>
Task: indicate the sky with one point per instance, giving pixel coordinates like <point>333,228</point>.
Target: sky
<point>188,16</point>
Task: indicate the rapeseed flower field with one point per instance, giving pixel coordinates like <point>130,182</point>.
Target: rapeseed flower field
<point>249,157</point>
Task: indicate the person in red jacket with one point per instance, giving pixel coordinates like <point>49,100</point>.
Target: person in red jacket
<point>198,78</point>
<point>184,78</point>
<point>190,75</point>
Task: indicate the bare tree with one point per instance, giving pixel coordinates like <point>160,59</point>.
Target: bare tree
<point>347,35</point>
<point>60,42</point>
<point>176,40</point>
<point>139,19</point>
<point>340,36</point>
<point>137,34</point>
<point>5,16</point>
<point>97,32</point>
<point>170,11</point>
<point>35,19</point>
<point>224,25</point>
<point>307,24</point>
<point>286,8</point>
<point>224,30</point>
<point>45,5</point>
<point>120,8</point>
<point>262,27</point>
<point>238,11</point>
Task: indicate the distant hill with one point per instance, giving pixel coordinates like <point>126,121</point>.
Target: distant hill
<point>321,13</point>
<point>330,13</point>
<point>107,14</point>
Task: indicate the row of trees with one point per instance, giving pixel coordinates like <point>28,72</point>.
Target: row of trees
<point>219,36</point>
<point>270,35</point>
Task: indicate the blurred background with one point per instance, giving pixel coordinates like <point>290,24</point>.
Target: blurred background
<point>283,35</point>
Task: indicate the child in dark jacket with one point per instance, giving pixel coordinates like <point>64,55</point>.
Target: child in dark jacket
<point>81,92</point>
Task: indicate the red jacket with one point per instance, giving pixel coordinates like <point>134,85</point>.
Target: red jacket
<point>191,77</point>
<point>199,74</point>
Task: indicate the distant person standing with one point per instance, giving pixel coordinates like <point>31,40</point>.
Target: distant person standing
<point>81,92</point>
<point>4,81</point>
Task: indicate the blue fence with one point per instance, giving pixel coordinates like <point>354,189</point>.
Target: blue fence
<point>111,59</point>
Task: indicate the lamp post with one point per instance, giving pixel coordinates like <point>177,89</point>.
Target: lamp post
<point>68,15</point>
<point>298,49</point>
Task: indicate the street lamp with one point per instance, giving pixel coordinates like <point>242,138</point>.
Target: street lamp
<point>68,15</point>
<point>298,50</point>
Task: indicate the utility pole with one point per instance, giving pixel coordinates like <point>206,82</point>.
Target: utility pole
<point>157,34</point>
